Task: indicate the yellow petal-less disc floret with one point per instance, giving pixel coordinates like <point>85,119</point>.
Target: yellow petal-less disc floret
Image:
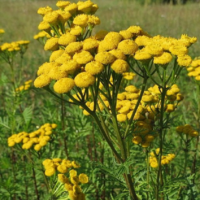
<point>76,30</point>
<point>128,47</point>
<point>63,16</point>
<point>57,73</point>
<point>105,58</point>
<point>155,49</point>
<point>62,4</point>
<point>90,44</point>
<point>94,67</point>
<point>72,8</point>
<point>44,10</point>
<point>73,47</point>
<point>178,50</point>
<point>184,60</point>
<point>85,6</point>
<point>83,57</point>
<point>56,54</point>
<point>44,26</point>
<point>51,17</point>
<point>66,39</point>
<point>81,20</point>
<point>163,59</point>
<point>70,66</point>
<point>51,44</point>
<point>120,66</point>
<point>84,80</point>
<point>142,55</point>
<point>118,54</point>
<point>93,20</point>
<point>41,81</point>
<point>126,34</point>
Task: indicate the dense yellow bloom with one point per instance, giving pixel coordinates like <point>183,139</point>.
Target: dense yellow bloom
<point>73,47</point>
<point>126,34</point>
<point>90,44</point>
<point>44,26</point>
<point>120,66</point>
<point>131,88</point>
<point>76,30</point>
<point>142,55</point>
<point>66,39</point>
<point>155,49</point>
<point>63,85</point>
<point>142,40</point>
<point>50,171</point>
<point>51,44</point>
<point>56,54</point>
<point>94,67</point>
<point>128,75</point>
<point>118,54</point>
<point>178,50</point>
<point>121,117</point>
<point>57,73</point>
<point>85,6</point>
<point>83,57</point>
<point>70,66</point>
<point>62,4</point>
<point>93,20</point>
<point>51,17</point>
<point>72,8</point>
<point>63,16</point>
<point>105,58</point>
<point>44,10</point>
<point>83,178</point>
<point>135,30</point>
<point>63,58</point>
<point>113,36</point>
<point>128,47</point>
<point>42,81</point>
<point>184,60</point>
<point>81,20</point>
<point>163,59</point>
<point>41,34</point>
<point>84,80</point>
<point>101,34</point>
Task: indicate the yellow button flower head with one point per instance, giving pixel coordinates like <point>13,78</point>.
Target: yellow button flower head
<point>186,40</point>
<point>73,47</point>
<point>55,55</point>
<point>63,16</point>
<point>45,68</point>
<point>84,80</point>
<point>76,30</point>
<point>126,34</point>
<point>62,4</point>
<point>178,49</point>
<point>57,73</point>
<point>120,66</point>
<point>85,6</point>
<point>95,7</point>
<point>44,10</point>
<point>50,171</point>
<point>62,169</point>
<point>70,66</point>
<point>83,178</point>
<point>121,117</point>
<point>114,37</point>
<point>105,58</point>
<point>2,31</point>
<point>170,107</point>
<point>63,58</point>
<point>83,57</point>
<point>51,17</point>
<point>44,26</point>
<point>66,39</point>
<point>132,89</point>
<point>72,8</point>
<point>195,63</point>
<point>93,20</point>
<point>63,85</point>
<point>42,81</point>
<point>118,54</point>
<point>37,147</point>
<point>81,20</point>
<point>135,30</point>
<point>128,47</point>
<point>90,44</point>
<point>94,67</point>
<point>51,44</point>
<point>155,49</point>
<point>163,59</point>
<point>184,60</point>
<point>142,55</point>
<point>142,40</point>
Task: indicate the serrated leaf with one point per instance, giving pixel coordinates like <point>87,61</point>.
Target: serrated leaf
<point>4,121</point>
<point>27,114</point>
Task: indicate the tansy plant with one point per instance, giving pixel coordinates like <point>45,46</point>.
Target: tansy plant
<point>91,70</point>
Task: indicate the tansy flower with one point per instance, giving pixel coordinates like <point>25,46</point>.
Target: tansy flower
<point>163,59</point>
<point>62,4</point>
<point>142,40</point>
<point>41,81</point>
<point>83,178</point>
<point>57,73</point>
<point>120,66</point>
<point>94,67</point>
<point>118,54</point>
<point>105,58</point>
<point>72,8</point>
<point>63,58</point>
<point>51,44</point>
<point>184,60</point>
<point>155,49</point>
<point>70,66</point>
<point>121,117</point>
<point>56,54</point>
<point>131,88</point>
<point>142,55</point>
<point>128,75</point>
<point>84,80</point>
<point>44,10</point>
<point>136,30</point>
<point>66,39</point>
<point>63,85</point>
<point>85,6</point>
<point>73,47</point>
<point>113,36</point>
<point>51,17</point>
<point>81,20</point>
<point>93,20</point>
<point>101,34</point>
<point>76,30</point>
<point>178,50</point>
<point>128,47</point>
<point>83,57</point>
<point>126,34</point>
<point>44,26</point>
<point>63,16</point>
<point>90,44</point>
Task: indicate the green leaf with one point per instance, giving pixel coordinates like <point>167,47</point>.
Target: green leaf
<point>27,114</point>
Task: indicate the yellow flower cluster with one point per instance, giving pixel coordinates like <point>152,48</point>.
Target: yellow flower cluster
<point>194,69</point>
<point>164,159</point>
<point>163,49</point>
<point>38,138</point>
<point>20,45</point>
<point>72,184</point>
<point>187,129</point>
<point>25,86</point>
<point>41,34</point>
<point>2,31</point>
